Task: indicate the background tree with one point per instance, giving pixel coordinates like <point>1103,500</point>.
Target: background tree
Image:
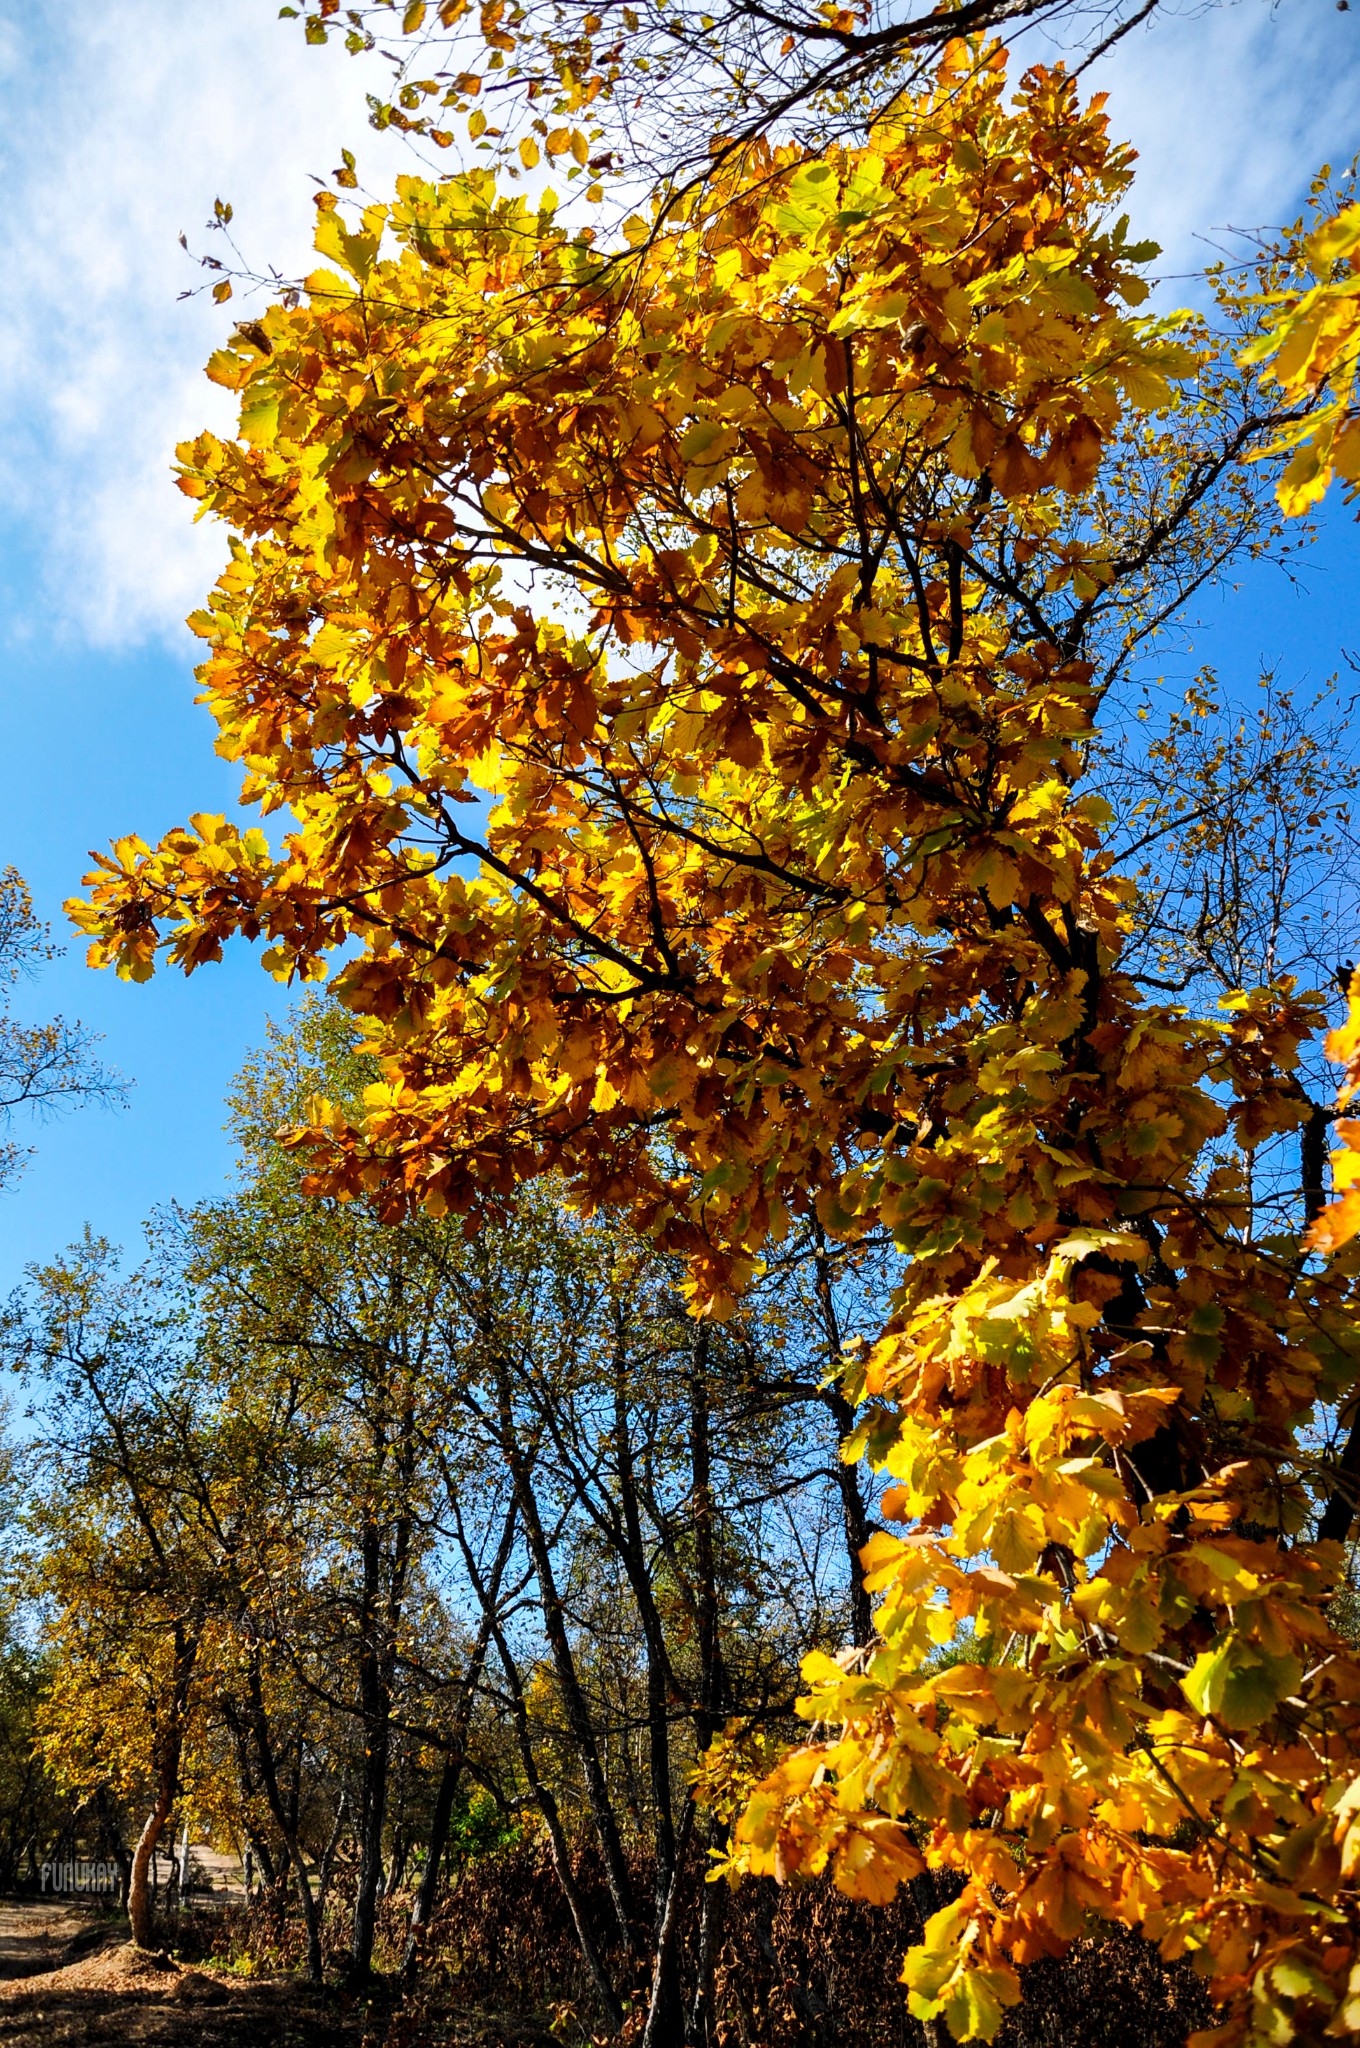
<point>43,1067</point>
<point>122,1566</point>
<point>639,1538</point>
<point>456,1541</point>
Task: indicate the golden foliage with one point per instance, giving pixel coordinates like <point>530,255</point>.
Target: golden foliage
<point>1311,347</point>
<point>674,663</point>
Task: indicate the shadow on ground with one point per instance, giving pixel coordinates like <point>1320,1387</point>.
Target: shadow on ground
<point>69,1979</point>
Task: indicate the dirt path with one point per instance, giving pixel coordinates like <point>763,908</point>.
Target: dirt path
<point>69,1979</point>
<point>35,1934</point>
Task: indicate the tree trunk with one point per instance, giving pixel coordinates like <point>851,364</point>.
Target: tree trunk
<point>557,1841</point>
<point>925,1896</point>
<point>269,1778</point>
<point>543,1798</point>
<point>660,1683</point>
<point>311,1917</point>
<point>381,1624</point>
<point>712,1674</point>
<point>568,1680</point>
<point>488,1594</point>
<point>169,1744</point>
<point>139,1882</point>
<point>702,2018</point>
<point>324,1868</point>
<point>853,1517</point>
<point>665,2026</point>
<point>372,1813</point>
<point>422,1910</point>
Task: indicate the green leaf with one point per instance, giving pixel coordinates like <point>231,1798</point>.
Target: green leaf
<point>354,253</point>
<point>1239,1684</point>
<point>1114,1244</point>
<point>260,419</point>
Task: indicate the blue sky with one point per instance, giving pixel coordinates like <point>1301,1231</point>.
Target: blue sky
<point>121,121</point>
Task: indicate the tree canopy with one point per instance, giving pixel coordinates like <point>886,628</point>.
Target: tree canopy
<point>681,662</point>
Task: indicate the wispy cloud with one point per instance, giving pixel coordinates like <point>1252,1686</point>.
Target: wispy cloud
<point>1232,108</point>
<point>123,119</point>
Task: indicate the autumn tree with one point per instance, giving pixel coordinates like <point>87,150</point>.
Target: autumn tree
<point>33,1811</point>
<point>209,1568</point>
<point>120,1572</point>
<point>336,1319</point>
<point>682,662</point>
<point>165,1543</point>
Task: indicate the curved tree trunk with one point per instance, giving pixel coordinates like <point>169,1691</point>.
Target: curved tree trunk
<point>422,1912</point>
<point>372,1813</point>
<point>375,1701</point>
<point>310,1916</point>
<point>139,1882</point>
<point>169,1744</point>
<point>547,1805</point>
<point>853,1513</point>
<point>327,1863</point>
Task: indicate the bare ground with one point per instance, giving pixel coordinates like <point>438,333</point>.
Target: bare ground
<point>70,1979</point>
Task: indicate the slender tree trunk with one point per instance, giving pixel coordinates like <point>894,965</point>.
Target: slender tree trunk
<point>422,1911</point>
<point>564,1665</point>
<point>665,2026</point>
<point>1313,1160</point>
<point>375,1709</point>
<point>264,1857</point>
<point>382,1621</point>
<point>703,2019</point>
<point>488,1592</point>
<point>542,1796</point>
<point>712,1680</point>
<point>557,1841</point>
<point>323,1874</point>
<point>372,1813</point>
<point>808,2004</point>
<point>925,1896</point>
<point>576,1905</point>
<point>854,1519</point>
<point>712,1674</point>
<point>1338,1516</point>
<point>659,1675</point>
<point>283,1820</point>
<point>311,1918</point>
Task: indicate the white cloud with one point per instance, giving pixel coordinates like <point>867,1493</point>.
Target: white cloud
<point>123,122</point>
<point>1232,109</point>
<point>123,119</point>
